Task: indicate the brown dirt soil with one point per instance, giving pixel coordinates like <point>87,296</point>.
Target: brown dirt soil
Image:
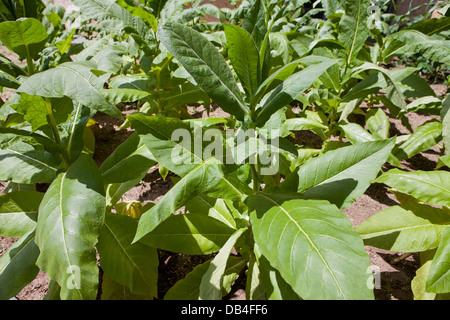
<point>396,275</point>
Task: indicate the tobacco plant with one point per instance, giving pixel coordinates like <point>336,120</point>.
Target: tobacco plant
<point>292,236</point>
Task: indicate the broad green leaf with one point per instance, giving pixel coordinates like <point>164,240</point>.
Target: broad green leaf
<point>254,287</point>
<point>190,233</point>
<point>25,37</point>
<point>244,56</point>
<point>132,265</point>
<point>378,123</point>
<point>353,29</point>
<point>189,287</point>
<point>18,212</point>
<point>301,238</point>
<point>18,266</point>
<point>290,89</point>
<point>71,215</point>
<point>165,139</point>
<point>431,26</point>
<point>74,80</point>
<point>355,133</point>
<point>212,207</point>
<point>129,161</point>
<point>342,175</point>
<point>212,280</point>
<point>410,227</point>
<point>137,11</point>
<point>200,180</point>
<point>425,137</point>
<point>206,65</point>
<point>111,290</point>
<point>255,23</point>
<point>439,276</point>
<point>24,160</point>
<point>428,186</point>
<point>117,96</point>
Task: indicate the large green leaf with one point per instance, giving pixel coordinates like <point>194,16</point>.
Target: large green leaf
<point>133,265</point>
<point>200,180</point>
<point>410,227</point>
<point>71,215</point>
<point>190,233</point>
<point>313,246</point>
<point>128,161</point>
<point>423,138</point>
<point>206,65</point>
<point>74,80</point>
<point>428,186</point>
<point>24,160</point>
<point>189,287</point>
<point>342,175</point>
<point>18,266</point>
<point>244,56</point>
<point>439,276</point>
<point>431,26</point>
<point>25,37</point>
<point>353,29</point>
<point>445,119</point>
<point>290,89</point>
<point>18,212</point>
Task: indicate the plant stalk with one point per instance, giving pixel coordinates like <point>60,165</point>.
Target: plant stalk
<point>56,135</point>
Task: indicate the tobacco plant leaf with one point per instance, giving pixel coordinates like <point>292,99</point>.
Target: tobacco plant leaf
<point>71,215</point>
<point>189,287</point>
<point>428,186</point>
<point>74,80</point>
<point>18,266</point>
<point>128,161</point>
<point>191,234</point>
<point>445,119</point>
<point>18,212</point>
<point>431,26</point>
<point>423,138</point>
<point>132,265</point>
<point>290,89</point>
<point>301,238</point>
<point>411,227</point>
<point>200,180</point>
<point>353,29</point>
<point>213,278</point>
<point>24,37</point>
<point>23,159</point>
<point>159,135</point>
<point>244,56</point>
<point>439,276</point>
<point>206,65</point>
<point>341,175</point>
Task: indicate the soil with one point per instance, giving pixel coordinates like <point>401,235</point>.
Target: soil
<point>395,274</point>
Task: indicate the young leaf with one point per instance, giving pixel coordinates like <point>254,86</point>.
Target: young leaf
<point>342,175</point>
<point>25,37</point>
<point>428,186</point>
<point>18,212</point>
<point>439,276</point>
<point>74,80</point>
<point>206,65</point>
<point>189,287</point>
<point>300,238</point>
<point>132,265</point>
<point>71,215</point>
<point>410,227</point>
<point>244,57</point>
<point>212,280</point>
<point>353,30</point>
<point>290,90</point>
<point>18,266</point>
<point>200,180</point>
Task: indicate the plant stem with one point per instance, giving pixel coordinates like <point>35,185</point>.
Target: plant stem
<point>54,127</point>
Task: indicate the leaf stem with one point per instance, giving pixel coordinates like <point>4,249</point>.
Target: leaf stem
<point>56,135</point>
